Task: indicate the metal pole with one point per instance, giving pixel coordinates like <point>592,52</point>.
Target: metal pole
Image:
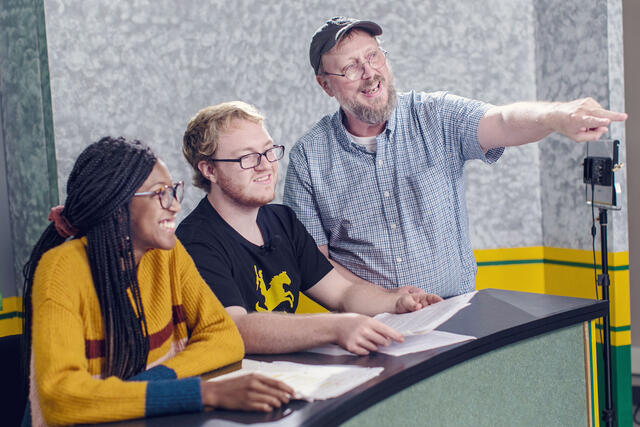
<point>608,413</point>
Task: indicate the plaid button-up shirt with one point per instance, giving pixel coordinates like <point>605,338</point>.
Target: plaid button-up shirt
<point>398,216</point>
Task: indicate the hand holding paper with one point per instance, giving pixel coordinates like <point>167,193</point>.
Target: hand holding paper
<point>426,319</point>
<point>362,334</point>
<point>418,328</point>
<point>415,301</point>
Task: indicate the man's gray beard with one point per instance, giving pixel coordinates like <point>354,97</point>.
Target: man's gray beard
<point>373,115</point>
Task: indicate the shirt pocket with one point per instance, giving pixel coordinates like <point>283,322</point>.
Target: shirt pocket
<point>427,200</point>
<point>355,221</point>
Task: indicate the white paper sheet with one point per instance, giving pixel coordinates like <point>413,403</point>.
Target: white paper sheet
<point>310,382</point>
<point>416,343</point>
<point>426,319</point>
<point>421,323</point>
<point>411,344</point>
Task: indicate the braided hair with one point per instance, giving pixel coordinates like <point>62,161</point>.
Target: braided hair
<point>103,180</point>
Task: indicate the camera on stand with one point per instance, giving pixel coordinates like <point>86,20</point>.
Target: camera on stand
<point>600,165</point>
<point>603,192</point>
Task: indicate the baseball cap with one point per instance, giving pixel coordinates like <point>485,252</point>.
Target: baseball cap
<point>327,36</point>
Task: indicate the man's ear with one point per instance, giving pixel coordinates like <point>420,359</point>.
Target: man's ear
<point>324,84</point>
<point>208,171</point>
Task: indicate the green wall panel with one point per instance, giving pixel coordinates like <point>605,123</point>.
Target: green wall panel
<point>27,130</point>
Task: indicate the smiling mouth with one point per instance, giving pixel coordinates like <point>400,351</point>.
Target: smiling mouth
<point>263,179</point>
<point>168,225</point>
<point>373,89</point>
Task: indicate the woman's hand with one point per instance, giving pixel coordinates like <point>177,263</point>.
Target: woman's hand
<point>251,392</point>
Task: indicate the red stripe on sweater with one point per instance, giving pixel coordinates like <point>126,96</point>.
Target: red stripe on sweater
<point>178,314</point>
<point>95,348</point>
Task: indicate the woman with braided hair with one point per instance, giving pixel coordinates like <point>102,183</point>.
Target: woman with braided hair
<point>117,320</point>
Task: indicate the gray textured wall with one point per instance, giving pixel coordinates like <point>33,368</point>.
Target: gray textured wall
<point>142,69</point>
<point>585,63</point>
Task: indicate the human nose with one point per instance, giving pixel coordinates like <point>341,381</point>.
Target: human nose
<point>175,205</point>
<point>262,163</point>
<point>367,71</point>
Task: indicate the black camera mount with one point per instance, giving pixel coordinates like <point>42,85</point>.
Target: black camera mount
<point>599,171</point>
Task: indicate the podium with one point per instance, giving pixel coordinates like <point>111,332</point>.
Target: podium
<point>529,366</point>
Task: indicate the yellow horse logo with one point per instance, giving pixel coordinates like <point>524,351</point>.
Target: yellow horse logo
<point>275,293</point>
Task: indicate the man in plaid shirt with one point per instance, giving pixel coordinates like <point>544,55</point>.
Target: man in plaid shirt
<point>380,183</point>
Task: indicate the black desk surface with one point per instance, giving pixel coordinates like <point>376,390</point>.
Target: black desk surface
<point>496,317</point>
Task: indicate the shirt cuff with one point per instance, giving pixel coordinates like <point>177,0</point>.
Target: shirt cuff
<point>173,396</point>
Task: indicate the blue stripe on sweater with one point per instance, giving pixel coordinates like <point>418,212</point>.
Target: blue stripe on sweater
<point>173,396</point>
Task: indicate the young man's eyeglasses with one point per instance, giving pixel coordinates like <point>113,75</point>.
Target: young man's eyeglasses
<point>167,193</point>
<point>252,160</point>
<point>354,71</point>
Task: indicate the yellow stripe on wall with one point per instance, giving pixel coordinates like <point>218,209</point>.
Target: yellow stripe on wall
<point>618,338</point>
<point>11,316</point>
<point>558,271</point>
<point>517,269</point>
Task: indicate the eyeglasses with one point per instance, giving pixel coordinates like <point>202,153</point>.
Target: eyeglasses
<point>249,161</point>
<point>355,71</point>
<point>167,193</point>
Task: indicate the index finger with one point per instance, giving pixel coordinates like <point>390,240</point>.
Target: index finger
<point>273,383</point>
<point>433,298</point>
<point>387,331</point>
<point>606,114</point>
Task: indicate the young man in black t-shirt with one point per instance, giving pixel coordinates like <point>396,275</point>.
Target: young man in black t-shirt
<point>257,257</point>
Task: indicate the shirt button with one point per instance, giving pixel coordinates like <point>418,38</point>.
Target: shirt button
<point>386,194</point>
<point>379,162</point>
<point>393,226</point>
<point>399,259</point>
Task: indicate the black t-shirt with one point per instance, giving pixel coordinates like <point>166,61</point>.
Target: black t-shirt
<point>258,278</point>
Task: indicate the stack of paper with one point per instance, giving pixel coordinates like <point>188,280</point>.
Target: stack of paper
<point>418,328</point>
<point>416,343</point>
<point>428,318</point>
<point>310,382</point>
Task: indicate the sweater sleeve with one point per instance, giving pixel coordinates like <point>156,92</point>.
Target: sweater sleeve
<point>67,393</point>
<point>214,340</point>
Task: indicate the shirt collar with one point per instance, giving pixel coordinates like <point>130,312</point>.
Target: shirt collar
<point>343,136</point>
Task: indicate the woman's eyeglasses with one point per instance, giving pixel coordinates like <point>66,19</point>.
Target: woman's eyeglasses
<point>167,193</point>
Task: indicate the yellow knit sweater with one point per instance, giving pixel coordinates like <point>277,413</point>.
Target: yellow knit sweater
<point>189,333</point>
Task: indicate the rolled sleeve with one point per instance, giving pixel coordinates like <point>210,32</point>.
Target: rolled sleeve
<point>461,118</point>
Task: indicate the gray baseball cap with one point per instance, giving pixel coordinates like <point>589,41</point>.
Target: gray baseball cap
<point>327,36</point>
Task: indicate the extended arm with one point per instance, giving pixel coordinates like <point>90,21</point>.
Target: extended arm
<point>357,333</point>
<point>276,332</point>
<point>340,294</point>
<point>524,122</point>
